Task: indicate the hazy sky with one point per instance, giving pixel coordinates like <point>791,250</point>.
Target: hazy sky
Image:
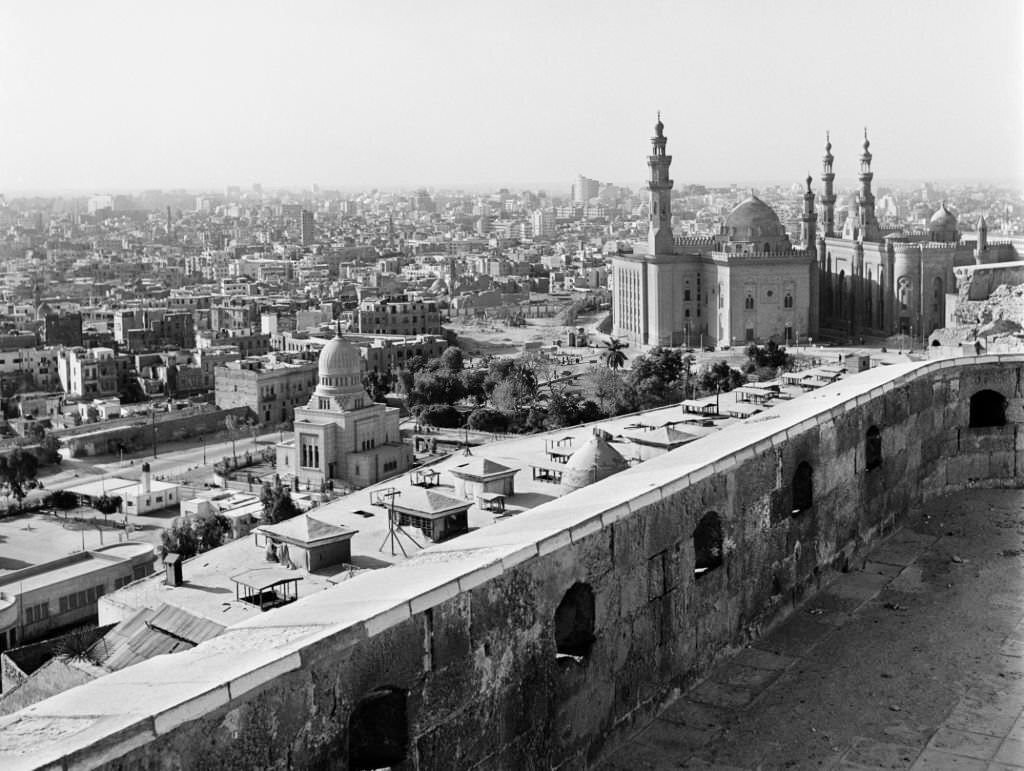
<point>100,95</point>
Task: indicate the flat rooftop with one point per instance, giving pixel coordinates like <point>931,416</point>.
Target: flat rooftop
<point>84,563</point>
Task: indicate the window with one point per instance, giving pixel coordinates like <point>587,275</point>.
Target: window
<point>708,545</point>
<point>574,622</point>
<point>378,732</point>
<point>686,295</point>
<point>873,448</point>
<point>988,409</point>
<point>787,302</point>
<point>803,488</point>
<point>748,303</point>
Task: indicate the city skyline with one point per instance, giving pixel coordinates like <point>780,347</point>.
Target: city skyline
<point>113,97</point>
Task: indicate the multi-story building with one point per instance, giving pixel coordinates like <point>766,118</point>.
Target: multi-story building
<point>584,189</point>
<point>36,367</point>
<point>146,329</point>
<point>544,223</point>
<point>398,315</point>
<point>306,232</point>
<point>247,342</point>
<point>93,372</point>
<point>268,385</point>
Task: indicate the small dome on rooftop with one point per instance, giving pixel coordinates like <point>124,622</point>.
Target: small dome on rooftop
<point>595,460</point>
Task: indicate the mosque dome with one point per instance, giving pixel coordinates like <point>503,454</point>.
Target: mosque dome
<point>592,462</point>
<point>753,219</point>
<point>340,369</point>
<point>339,357</point>
<point>943,225</point>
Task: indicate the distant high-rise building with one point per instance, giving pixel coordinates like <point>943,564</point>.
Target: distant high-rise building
<point>306,226</point>
<point>544,223</point>
<point>585,189</point>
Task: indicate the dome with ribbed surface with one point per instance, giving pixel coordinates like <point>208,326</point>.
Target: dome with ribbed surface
<point>340,369</point>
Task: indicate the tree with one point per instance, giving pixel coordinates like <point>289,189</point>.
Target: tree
<point>608,390</point>
<point>440,415</point>
<point>720,376</point>
<point>211,530</point>
<point>473,385</point>
<point>107,504</point>
<point>659,377</point>
<point>378,384</point>
<point>436,387</point>
<point>62,500</point>
<point>48,451</point>
<point>489,420</point>
<point>16,471</point>
<point>613,356</point>
<point>772,356</point>
<point>180,538</point>
<point>277,504</point>
<point>452,359</point>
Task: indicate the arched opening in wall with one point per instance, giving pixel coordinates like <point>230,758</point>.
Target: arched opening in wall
<point>708,545</point>
<point>988,408</point>
<point>574,622</point>
<point>378,731</point>
<point>936,343</point>
<point>803,488</point>
<point>873,448</point>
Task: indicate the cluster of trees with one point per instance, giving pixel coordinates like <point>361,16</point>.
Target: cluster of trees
<point>531,394</point>
<point>189,536</point>
<point>277,503</point>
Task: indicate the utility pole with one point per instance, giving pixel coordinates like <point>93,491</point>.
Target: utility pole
<point>152,415</point>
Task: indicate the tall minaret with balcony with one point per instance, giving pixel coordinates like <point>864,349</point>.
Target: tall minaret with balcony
<point>828,197</point>
<point>808,220</point>
<point>659,237</point>
<point>868,225</point>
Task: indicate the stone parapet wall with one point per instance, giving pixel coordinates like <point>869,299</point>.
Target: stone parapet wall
<point>460,641</point>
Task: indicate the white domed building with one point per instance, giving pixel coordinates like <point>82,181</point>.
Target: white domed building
<point>342,435</point>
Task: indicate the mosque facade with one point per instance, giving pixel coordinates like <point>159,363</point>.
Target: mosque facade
<point>749,283</point>
<point>341,435</point>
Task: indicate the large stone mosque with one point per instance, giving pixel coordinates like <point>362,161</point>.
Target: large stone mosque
<point>749,283</point>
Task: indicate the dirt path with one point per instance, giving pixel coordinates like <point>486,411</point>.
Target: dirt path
<point>915,661</point>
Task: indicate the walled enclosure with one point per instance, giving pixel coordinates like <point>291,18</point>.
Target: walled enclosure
<point>456,648</point>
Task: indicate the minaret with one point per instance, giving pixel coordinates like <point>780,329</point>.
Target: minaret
<point>828,197</point>
<point>659,237</point>
<point>982,247</point>
<point>809,219</point>
<point>865,198</point>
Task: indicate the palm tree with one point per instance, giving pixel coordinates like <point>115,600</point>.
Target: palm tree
<point>613,356</point>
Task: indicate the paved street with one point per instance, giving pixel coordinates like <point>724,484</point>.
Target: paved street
<point>916,661</point>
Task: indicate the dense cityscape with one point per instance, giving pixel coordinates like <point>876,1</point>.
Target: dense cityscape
<point>642,472</point>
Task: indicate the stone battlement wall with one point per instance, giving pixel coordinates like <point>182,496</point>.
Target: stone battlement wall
<point>538,641</point>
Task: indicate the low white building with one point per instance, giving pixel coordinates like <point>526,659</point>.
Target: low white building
<point>139,497</point>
